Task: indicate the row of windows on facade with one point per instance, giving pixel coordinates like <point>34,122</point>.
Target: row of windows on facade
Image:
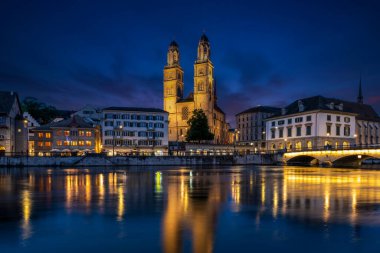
<point>48,135</point>
<point>372,140</point>
<point>248,137</point>
<point>346,131</point>
<point>131,133</point>
<point>134,117</point>
<point>133,142</point>
<point>244,125</point>
<point>253,117</point>
<point>308,119</point>
<point>133,124</point>
<point>64,143</point>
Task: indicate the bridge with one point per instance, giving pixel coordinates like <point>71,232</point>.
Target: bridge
<point>349,156</point>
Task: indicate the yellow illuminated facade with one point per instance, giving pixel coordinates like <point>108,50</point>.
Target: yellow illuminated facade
<point>203,97</point>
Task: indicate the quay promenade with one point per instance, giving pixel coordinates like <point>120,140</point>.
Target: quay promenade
<point>102,160</point>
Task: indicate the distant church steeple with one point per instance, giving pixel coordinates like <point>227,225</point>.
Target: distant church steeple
<point>360,95</point>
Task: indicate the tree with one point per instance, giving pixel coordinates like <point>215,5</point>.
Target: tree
<point>198,127</point>
<point>40,111</point>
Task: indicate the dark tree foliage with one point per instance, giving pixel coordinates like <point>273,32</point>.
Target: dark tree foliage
<point>40,111</point>
<point>198,127</point>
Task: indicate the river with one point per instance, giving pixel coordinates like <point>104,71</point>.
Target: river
<point>186,209</point>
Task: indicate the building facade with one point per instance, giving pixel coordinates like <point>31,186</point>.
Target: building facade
<point>13,128</point>
<point>203,96</point>
<point>31,123</point>
<point>319,122</point>
<point>251,126</point>
<point>132,131</point>
<point>73,135</point>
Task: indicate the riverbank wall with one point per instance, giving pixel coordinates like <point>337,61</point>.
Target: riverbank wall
<point>87,161</point>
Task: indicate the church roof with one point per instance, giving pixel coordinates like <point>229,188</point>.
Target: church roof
<point>203,38</point>
<point>173,44</point>
<point>217,108</point>
<point>189,98</point>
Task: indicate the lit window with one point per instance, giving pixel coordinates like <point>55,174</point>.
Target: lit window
<point>74,143</point>
<point>66,143</point>
<point>88,133</point>
<point>88,143</point>
<point>81,133</point>
<point>40,135</point>
<point>59,143</point>
<point>67,133</point>
<point>47,144</point>
<point>81,143</point>
<point>48,135</point>
<point>40,144</point>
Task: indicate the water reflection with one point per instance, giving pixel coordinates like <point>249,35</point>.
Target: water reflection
<point>190,203</point>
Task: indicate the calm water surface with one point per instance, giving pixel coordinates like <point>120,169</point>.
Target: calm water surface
<point>222,209</point>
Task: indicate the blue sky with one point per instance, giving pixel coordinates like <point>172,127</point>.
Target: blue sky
<point>72,53</point>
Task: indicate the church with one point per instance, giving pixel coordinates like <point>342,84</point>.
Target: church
<point>203,97</point>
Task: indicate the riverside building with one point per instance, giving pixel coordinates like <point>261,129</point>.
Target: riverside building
<point>13,127</point>
<point>320,122</point>
<point>71,136</point>
<point>132,131</point>
<point>251,126</point>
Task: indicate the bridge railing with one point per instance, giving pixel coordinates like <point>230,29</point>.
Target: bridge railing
<point>330,147</point>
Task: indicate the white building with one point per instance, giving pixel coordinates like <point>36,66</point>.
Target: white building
<point>130,131</point>
<point>315,122</point>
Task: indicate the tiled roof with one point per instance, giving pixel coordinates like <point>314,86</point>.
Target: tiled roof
<point>363,111</point>
<point>265,109</point>
<point>75,122</point>
<point>133,109</point>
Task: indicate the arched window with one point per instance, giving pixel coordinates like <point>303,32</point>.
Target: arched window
<point>185,113</point>
<point>298,145</point>
<point>201,86</point>
<point>309,145</point>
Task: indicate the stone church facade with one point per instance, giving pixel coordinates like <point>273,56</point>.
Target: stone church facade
<point>203,97</point>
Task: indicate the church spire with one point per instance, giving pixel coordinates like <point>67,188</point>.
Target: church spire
<point>204,52</point>
<point>360,95</point>
<point>173,54</point>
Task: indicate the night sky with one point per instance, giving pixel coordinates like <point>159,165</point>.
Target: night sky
<point>73,53</point>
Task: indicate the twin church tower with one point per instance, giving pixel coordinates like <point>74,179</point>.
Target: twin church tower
<point>203,97</point>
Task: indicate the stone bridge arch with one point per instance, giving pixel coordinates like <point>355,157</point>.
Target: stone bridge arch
<point>302,160</point>
<point>338,158</point>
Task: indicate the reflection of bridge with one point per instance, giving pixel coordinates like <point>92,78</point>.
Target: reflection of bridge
<point>352,157</point>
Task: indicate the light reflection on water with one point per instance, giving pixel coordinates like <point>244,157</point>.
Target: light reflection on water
<point>189,210</point>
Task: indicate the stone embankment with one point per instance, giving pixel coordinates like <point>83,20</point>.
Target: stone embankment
<point>84,161</point>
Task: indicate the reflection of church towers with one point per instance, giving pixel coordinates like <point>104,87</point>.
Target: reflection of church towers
<point>183,213</point>
<point>204,78</point>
